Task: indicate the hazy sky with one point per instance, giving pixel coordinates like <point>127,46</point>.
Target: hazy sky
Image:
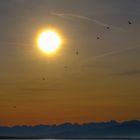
<point>99,84</point>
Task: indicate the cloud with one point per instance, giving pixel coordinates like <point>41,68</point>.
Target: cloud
<point>39,89</point>
<point>88,19</point>
<point>128,73</point>
<point>109,53</point>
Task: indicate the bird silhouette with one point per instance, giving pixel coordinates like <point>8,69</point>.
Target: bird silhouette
<point>77,53</point>
<point>43,79</point>
<point>129,22</point>
<point>98,37</point>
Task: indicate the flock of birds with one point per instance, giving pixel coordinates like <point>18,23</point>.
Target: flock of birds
<point>77,53</point>
<point>98,37</point>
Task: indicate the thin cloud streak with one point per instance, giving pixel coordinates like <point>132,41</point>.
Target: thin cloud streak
<point>128,73</point>
<point>108,54</point>
<point>89,19</point>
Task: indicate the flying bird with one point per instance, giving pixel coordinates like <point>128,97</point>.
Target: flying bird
<point>43,79</point>
<point>77,53</point>
<point>129,22</point>
<point>66,68</point>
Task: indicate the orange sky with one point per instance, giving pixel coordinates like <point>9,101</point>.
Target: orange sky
<point>99,84</point>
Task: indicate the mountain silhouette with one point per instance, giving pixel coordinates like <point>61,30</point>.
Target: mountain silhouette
<point>112,129</point>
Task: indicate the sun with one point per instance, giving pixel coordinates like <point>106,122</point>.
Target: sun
<point>49,41</point>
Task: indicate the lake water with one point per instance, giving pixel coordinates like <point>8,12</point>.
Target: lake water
<point>79,139</point>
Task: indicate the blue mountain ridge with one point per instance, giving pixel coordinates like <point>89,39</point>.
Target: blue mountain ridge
<point>112,129</point>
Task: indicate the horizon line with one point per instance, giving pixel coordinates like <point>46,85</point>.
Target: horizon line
<point>71,123</point>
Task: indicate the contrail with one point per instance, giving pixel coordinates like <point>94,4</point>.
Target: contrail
<point>89,19</point>
<point>107,54</point>
<point>16,43</point>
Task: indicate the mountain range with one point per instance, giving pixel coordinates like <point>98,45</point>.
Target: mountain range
<point>111,129</point>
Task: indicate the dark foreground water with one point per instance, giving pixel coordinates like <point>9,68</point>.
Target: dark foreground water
<point>78,139</point>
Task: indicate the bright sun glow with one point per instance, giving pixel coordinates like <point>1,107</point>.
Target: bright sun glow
<point>49,41</point>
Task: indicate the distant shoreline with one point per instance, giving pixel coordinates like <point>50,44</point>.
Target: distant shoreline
<point>102,130</point>
<point>59,138</point>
